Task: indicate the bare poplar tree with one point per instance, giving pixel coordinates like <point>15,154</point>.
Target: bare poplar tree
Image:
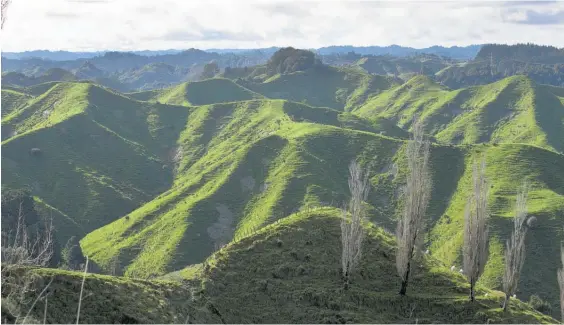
<point>515,247</point>
<point>475,250</point>
<point>352,233</point>
<point>5,5</point>
<point>409,231</point>
<point>561,282</point>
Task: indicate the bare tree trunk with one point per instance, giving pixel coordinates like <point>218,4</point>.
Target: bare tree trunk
<point>561,282</point>
<point>352,232</point>
<point>475,249</point>
<point>506,302</point>
<point>472,285</point>
<point>405,281</point>
<point>410,226</point>
<point>515,247</point>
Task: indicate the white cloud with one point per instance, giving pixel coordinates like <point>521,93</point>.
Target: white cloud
<point>84,25</point>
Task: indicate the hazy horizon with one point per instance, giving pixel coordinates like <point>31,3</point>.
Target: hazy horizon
<point>128,25</point>
<point>245,48</point>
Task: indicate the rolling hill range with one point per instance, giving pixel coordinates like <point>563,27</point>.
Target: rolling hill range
<point>210,91</point>
<point>91,154</point>
<point>404,67</point>
<point>515,109</point>
<point>325,86</point>
<point>22,80</point>
<point>151,76</point>
<point>543,64</point>
<point>131,72</point>
<point>155,182</point>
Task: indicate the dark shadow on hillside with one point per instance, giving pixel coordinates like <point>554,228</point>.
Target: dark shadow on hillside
<point>549,113</point>
<point>447,167</point>
<point>215,218</point>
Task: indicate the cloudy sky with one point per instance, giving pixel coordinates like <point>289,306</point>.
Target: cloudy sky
<point>87,25</point>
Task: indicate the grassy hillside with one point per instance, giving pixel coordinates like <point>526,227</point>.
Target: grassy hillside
<point>482,71</point>
<point>403,67</point>
<point>338,88</point>
<point>12,99</point>
<point>210,91</point>
<point>508,166</point>
<point>244,165</point>
<point>288,272</point>
<point>514,109</point>
<point>151,76</point>
<point>154,181</point>
<point>88,153</point>
<point>22,80</point>
<point>106,299</point>
<point>241,165</point>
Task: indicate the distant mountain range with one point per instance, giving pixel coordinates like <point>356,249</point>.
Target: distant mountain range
<point>456,52</point>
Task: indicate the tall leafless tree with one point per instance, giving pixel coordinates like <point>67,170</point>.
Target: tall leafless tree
<point>5,5</point>
<point>515,247</point>
<point>409,231</point>
<point>352,232</point>
<point>561,282</point>
<point>475,249</point>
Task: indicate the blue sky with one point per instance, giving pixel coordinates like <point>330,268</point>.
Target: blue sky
<point>90,25</point>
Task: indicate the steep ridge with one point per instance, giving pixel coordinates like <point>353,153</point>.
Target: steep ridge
<point>508,165</point>
<point>12,99</point>
<point>240,165</point>
<point>514,109</point>
<point>209,91</point>
<point>96,155</point>
<point>60,102</point>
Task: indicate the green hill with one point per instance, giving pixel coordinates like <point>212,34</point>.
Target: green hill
<point>91,154</point>
<point>543,64</point>
<point>106,299</point>
<point>205,92</point>
<point>285,273</point>
<point>403,67</point>
<point>243,163</point>
<point>151,76</point>
<point>324,86</point>
<point>514,109</point>
<point>12,99</point>
<point>290,273</point>
<point>22,80</point>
